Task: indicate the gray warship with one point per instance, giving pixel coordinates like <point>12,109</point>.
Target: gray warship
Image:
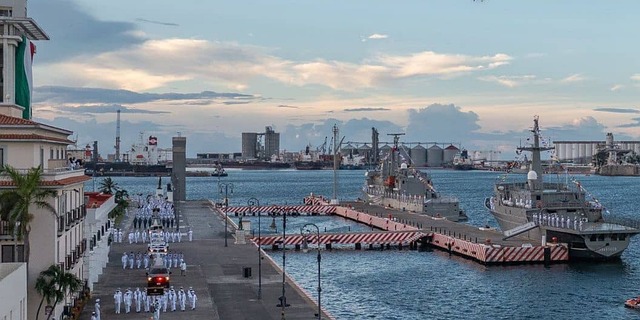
<point>540,210</point>
<point>395,184</point>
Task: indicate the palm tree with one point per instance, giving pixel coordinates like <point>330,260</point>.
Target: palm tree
<point>16,203</point>
<point>54,284</point>
<point>108,186</point>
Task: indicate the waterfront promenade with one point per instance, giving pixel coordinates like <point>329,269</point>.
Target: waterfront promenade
<point>214,271</point>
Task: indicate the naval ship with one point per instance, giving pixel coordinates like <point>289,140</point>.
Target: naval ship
<point>395,184</point>
<point>541,210</point>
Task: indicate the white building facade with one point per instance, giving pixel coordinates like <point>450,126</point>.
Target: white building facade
<point>97,230</point>
<point>13,302</point>
<point>56,238</point>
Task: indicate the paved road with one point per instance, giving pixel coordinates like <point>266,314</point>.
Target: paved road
<point>214,272</point>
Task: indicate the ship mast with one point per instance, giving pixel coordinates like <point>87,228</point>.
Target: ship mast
<point>536,162</point>
<point>394,160</point>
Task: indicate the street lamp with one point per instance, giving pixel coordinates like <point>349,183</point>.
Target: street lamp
<point>254,202</point>
<point>305,247</point>
<point>227,187</point>
<point>283,299</point>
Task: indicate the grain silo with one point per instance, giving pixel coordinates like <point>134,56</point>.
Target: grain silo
<point>365,151</point>
<point>419,156</point>
<point>249,145</point>
<point>449,153</point>
<point>434,156</point>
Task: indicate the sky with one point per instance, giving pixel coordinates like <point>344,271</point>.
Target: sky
<point>473,73</point>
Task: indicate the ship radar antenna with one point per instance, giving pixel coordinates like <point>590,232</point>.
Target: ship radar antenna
<point>396,138</point>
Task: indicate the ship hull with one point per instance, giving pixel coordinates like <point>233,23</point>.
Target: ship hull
<point>581,247</point>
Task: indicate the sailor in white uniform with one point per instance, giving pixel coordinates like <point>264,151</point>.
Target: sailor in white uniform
<point>117,298</point>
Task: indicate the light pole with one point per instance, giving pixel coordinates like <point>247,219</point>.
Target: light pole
<point>283,299</point>
<point>254,202</point>
<point>227,187</point>
<point>305,248</point>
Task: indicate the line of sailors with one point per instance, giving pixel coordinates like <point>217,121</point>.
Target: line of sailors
<point>142,236</point>
<point>140,301</point>
<point>142,260</point>
<point>554,220</point>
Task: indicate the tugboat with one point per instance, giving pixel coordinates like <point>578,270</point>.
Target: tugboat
<point>397,185</point>
<point>219,171</point>
<point>539,210</point>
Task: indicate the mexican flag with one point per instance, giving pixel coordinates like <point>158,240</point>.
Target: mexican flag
<point>24,79</point>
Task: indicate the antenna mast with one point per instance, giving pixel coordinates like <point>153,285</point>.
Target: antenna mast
<point>118,137</point>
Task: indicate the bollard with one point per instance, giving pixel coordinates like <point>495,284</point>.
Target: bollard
<point>358,246</point>
<point>297,248</point>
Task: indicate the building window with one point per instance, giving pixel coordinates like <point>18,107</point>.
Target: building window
<point>6,12</point>
<point>1,156</point>
<point>8,253</point>
<point>41,158</point>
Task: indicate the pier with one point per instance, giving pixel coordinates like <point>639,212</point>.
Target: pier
<point>403,228</point>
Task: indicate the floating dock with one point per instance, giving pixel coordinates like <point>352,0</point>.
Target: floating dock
<point>483,245</point>
<point>409,229</point>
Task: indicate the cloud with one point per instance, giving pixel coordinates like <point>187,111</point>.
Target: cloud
<point>581,129</point>
<point>235,102</point>
<point>634,124</point>
<point>510,81</point>
<point>198,141</point>
<point>73,32</point>
<point>617,110</point>
<point>158,22</point>
<point>366,109</point>
<point>57,94</point>
<point>635,77</point>
<point>287,106</point>
<point>377,36</point>
<point>105,108</point>
<point>158,63</point>
<point>573,78</point>
<point>439,122</point>
<point>616,87</point>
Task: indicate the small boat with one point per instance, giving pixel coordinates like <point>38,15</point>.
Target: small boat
<point>219,172</point>
<point>633,303</point>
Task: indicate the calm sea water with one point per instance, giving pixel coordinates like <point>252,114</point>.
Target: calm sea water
<point>431,285</point>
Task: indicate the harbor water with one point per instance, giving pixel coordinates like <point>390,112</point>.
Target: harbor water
<point>405,284</point>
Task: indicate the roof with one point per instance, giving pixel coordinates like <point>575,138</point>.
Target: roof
<point>96,199</point>
<point>52,183</point>
<point>6,120</point>
<point>26,25</point>
<point>33,136</point>
<point>451,147</point>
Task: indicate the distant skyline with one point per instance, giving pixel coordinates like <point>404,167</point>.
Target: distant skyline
<point>473,73</point>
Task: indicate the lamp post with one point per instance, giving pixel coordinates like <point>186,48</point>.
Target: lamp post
<point>227,187</point>
<point>254,202</point>
<point>283,299</point>
<point>305,248</point>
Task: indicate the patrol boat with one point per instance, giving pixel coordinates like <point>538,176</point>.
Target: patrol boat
<point>395,184</point>
<point>541,210</point>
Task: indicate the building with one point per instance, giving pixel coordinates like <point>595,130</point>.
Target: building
<point>254,148</point>
<point>97,229</point>
<point>271,144</point>
<point>56,238</point>
<point>582,152</point>
<point>13,303</point>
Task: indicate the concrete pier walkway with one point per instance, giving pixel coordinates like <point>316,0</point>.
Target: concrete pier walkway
<point>214,271</point>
